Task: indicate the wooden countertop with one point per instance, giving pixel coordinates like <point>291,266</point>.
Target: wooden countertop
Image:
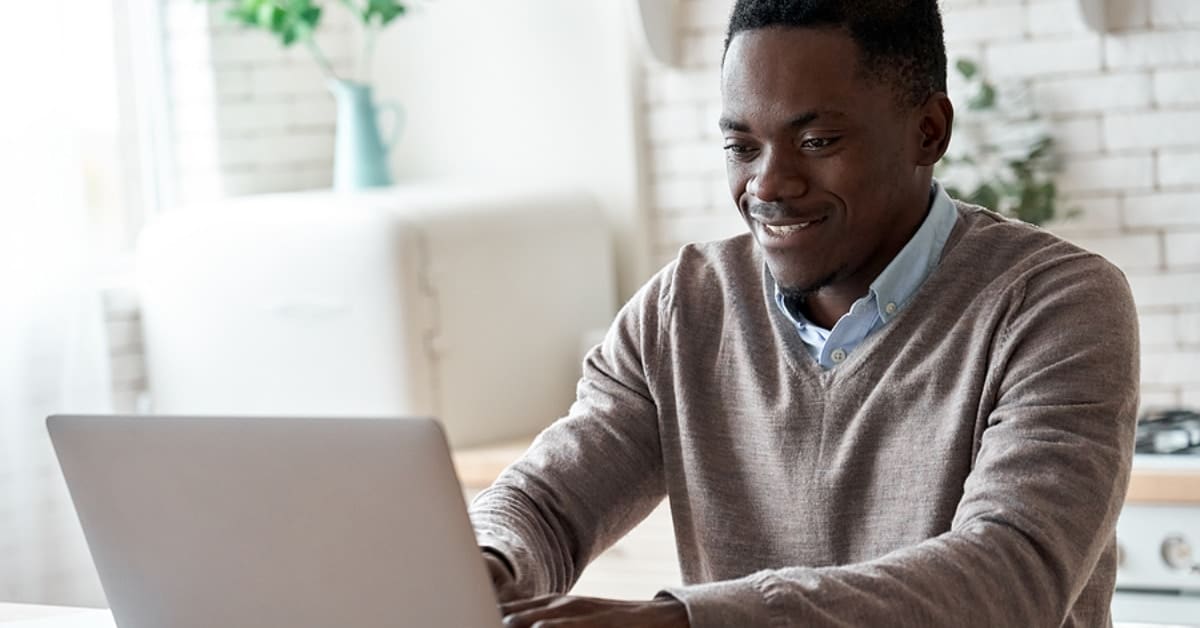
<point>1164,486</point>
<point>479,466</point>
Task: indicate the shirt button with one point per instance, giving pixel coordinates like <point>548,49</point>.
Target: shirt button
<point>838,355</point>
<point>890,308</point>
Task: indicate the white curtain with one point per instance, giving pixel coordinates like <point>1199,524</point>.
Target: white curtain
<point>53,356</point>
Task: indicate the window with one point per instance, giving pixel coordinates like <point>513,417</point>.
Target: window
<point>81,120</point>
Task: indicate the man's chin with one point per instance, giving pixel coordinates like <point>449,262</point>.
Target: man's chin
<point>799,287</point>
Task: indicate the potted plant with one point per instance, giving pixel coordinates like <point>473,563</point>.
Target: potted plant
<point>1004,157</point>
<point>360,155</point>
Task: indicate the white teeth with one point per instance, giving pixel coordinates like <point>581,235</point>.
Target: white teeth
<point>785,229</point>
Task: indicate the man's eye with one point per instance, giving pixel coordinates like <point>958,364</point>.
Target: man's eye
<point>740,151</point>
<point>817,143</point>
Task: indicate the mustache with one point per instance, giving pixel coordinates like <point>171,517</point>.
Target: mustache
<point>772,212</point>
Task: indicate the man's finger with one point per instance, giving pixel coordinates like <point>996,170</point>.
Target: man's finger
<point>517,606</point>
<point>560,607</point>
<point>575,622</point>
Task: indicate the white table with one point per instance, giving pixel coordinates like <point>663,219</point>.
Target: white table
<point>478,467</point>
<point>29,616</point>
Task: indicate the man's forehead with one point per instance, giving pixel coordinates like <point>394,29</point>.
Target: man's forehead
<point>785,63</point>
<point>734,120</point>
<point>788,73</point>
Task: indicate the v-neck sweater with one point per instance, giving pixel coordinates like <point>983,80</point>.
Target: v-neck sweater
<point>965,466</point>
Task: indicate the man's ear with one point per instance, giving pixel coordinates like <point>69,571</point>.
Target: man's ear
<point>935,124</point>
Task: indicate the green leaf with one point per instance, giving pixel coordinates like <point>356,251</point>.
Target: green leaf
<point>1022,169</point>
<point>1037,203</point>
<point>984,100</point>
<point>382,11</point>
<point>967,68</point>
<point>266,15</point>
<point>1021,186</point>
<point>985,195</point>
<point>288,20</point>
<point>246,14</point>
<point>1041,147</point>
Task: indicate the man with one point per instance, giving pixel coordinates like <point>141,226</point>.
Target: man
<point>878,408</point>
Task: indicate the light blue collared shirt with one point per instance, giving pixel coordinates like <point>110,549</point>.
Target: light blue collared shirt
<point>889,293</point>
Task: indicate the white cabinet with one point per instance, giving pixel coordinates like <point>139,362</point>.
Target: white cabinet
<point>466,302</point>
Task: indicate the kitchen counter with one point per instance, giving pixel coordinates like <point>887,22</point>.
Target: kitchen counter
<point>1164,486</point>
<point>478,467</point>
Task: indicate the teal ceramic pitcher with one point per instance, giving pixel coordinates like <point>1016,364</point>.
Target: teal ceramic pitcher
<point>360,157</point>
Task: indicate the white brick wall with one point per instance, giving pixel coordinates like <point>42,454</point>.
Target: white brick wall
<point>1050,56</point>
<point>1170,13</point>
<point>1188,329</point>
<point>985,22</point>
<point>1128,90</point>
<point>125,348</point>
<point>1077,134</point>
<point>1183,249</point>
<point>1107,173</point>
<point>1177,168</point>
<point>1124,106</point>
<point>1152,129</point>
<point>1175,210</point>
<point>247,115</point>
<point>1177,87</point>
<point>1166,48</point>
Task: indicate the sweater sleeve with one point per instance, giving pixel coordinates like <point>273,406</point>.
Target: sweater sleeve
<point>592,475</point>
<point>1041,501</point>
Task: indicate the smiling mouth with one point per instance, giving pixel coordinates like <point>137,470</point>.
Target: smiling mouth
<point>782,231</point>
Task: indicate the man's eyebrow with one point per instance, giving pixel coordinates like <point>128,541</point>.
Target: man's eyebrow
<point>800,121</point>
<point>728,124</point>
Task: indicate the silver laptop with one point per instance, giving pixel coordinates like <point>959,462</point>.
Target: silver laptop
<point>196,522</point>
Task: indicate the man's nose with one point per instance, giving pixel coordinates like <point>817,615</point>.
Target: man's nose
<point>779,176</point>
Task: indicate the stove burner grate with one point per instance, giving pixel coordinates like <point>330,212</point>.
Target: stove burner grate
<point>1175,432</point>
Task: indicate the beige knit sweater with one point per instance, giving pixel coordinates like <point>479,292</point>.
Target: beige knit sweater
<point>963,467</point>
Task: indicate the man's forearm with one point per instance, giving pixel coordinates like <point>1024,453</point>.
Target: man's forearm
<point>985,574</point>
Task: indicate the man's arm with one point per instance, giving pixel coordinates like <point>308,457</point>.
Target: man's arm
<point>594,474</point>
<point>1039,506</point>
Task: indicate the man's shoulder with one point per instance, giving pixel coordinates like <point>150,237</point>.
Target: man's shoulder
<point>734,254</point>
<point>1014,253</point>
<point>733,263</point>
<point>1013,243</point>
<point>709,273</point>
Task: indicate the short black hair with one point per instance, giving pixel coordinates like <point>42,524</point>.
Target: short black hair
<point>901,41</point>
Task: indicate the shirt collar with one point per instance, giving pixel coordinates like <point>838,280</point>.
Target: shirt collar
<point>896,285</point>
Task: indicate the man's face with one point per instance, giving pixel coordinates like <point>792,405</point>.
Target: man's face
<point>821,159</point>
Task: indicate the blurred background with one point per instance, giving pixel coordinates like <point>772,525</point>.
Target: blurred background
<point>182,190</point>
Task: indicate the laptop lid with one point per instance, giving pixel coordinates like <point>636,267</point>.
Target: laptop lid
<point>195,522</point>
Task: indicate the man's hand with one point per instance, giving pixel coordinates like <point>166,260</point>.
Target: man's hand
<point>551,611</point>
<point>502,578</point>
